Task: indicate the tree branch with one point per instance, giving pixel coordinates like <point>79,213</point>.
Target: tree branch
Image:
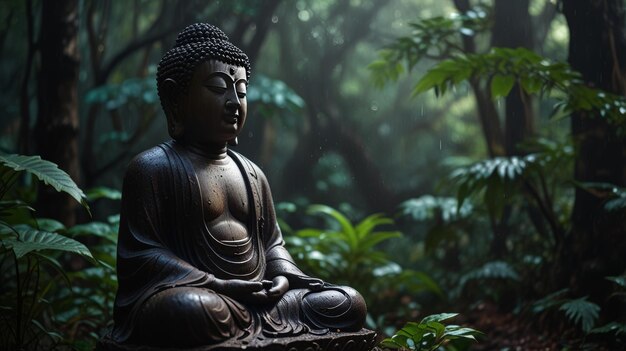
<point>153,34</point>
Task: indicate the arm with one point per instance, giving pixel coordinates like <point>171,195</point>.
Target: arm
<point>279,261</point>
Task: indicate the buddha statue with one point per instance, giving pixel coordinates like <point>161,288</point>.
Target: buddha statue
<point>201,260</point>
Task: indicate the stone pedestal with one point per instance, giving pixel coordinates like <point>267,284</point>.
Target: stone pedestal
<point>363,340</point>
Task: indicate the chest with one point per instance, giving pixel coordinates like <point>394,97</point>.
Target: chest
<point>223,192</point>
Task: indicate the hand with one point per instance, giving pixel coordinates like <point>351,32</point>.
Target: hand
<point>236,288</point>
<point>280,285</point>
<point>274,290</point>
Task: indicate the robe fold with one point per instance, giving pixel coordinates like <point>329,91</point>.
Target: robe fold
<point>164,242</point>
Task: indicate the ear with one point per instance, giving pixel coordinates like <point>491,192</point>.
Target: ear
<point>171,105</point>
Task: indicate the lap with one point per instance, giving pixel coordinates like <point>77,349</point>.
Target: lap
<point>190,316</point>
<point>301,310</point>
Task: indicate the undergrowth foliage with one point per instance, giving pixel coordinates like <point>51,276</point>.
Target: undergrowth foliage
<point>525,200</point>
<point>431,334</point>
<point>352,254</point>
<point>44,305</point>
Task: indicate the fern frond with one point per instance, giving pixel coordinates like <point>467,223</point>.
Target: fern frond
<point>490,270</point>
<point>583,312</point>
<point>429,207</point>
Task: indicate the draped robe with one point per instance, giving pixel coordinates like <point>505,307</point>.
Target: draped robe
<point>164,245</point>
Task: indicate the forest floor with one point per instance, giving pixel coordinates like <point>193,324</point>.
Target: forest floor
<point>509,332</point>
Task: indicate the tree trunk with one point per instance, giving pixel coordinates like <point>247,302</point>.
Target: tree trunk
<point>57,121</point>
<point>512,29</point>
<point>487,113</point>
<point>596,245</point>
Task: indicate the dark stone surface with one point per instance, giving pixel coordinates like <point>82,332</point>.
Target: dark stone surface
<point>363,340</point>
<point>201,259</point>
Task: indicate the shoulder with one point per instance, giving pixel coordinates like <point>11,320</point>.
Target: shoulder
<point>253,170</point>
<point>153,157</point>
<point>148,163</point>
<point>250,166</point>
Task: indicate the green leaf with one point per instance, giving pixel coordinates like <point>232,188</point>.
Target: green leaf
<point>548,301</point>
<point>310,233</point>
<point>374,238</point>
<point>614,328</point>
<point>501,85</point>
<point>456,331</point>
<point>530,84</point>
<point>490,270</point>
<point>371,222</point>
<point>99,229</point>
<point>9,205</point>
<point>439,317</point>
<point>103,193</point>
<point>346,225</point>
<point>619,280</point>
<point>396,342</point>
<point>616,204</point>
<point>429,334</point>
<point>437,328</point>
<point>433,78</point>
<point>49,225</point>
<point>47,172</point>
<point>581,311</point>
<point>32,240</point>
<point>428,207</point>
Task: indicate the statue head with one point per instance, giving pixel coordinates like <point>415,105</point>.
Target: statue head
<point>203,75</point>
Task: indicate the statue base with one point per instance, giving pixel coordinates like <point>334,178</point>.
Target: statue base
<point>363,340</point>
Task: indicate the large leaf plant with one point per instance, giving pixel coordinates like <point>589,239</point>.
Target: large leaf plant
<point>30,252</point>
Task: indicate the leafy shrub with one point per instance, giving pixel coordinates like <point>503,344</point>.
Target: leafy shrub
<point>348,253</point>
<point>446,218</point>
<point>44,305</point>
<point>430,334</point>
<point>579,311</point>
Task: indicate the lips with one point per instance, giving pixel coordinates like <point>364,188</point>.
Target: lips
<point>232,119</point>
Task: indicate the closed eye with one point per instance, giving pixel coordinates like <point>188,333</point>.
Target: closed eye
<point>217,90</point>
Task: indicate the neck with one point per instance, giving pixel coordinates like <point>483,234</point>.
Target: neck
<point>209,151</point>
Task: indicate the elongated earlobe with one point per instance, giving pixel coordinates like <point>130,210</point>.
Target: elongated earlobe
<point>171,105</point>
<point>233,142</point>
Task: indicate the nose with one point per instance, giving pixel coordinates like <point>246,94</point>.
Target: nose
<point>232,102</point>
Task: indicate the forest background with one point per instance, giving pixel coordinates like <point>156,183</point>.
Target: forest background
<point>440,156</point>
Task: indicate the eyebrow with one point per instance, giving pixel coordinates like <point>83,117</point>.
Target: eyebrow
<point>223,74</point>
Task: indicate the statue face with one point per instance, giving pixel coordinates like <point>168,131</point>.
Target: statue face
<point>215,108</point>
